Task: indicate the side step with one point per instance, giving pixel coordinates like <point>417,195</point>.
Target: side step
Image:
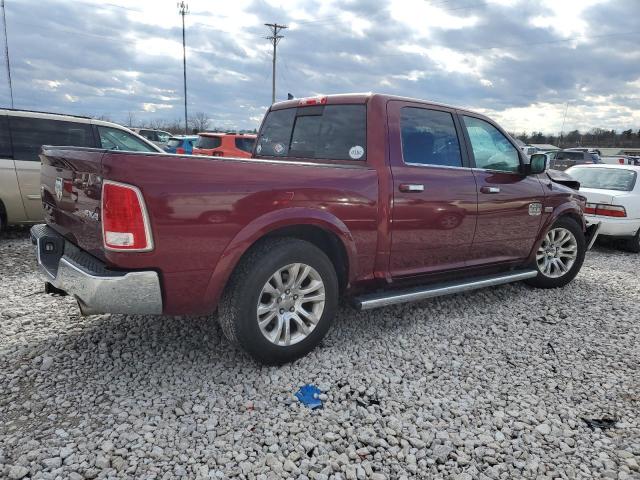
<point>383,299</point>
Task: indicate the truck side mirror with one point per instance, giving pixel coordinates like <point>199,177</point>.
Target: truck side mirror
<point>538,163</point>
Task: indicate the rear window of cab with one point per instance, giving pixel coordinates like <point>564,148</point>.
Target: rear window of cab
<point>332,132</point>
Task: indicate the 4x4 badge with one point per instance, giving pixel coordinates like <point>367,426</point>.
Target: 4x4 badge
<point>535,209</point>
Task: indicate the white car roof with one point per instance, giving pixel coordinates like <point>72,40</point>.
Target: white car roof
<point>635,168</point>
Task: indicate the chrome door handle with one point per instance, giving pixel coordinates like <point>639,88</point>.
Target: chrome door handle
<point>411,187</point>
<point>490,190</point>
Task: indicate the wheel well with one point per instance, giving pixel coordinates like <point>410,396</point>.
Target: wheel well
<point>326,241</point>
<point>575,217</point>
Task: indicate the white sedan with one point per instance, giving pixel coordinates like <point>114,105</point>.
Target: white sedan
<point>613,200</point>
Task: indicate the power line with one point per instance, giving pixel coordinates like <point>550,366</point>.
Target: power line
<point>6,52</point>
<point>275,39</point>
<point>184,10</point>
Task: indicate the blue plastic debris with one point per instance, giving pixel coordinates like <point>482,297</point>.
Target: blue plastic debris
<point>309,395</point>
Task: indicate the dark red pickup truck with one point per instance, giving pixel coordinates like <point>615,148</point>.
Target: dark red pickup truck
<point>382,199</point>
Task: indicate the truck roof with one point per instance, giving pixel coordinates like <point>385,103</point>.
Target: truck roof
<point>343,98</point>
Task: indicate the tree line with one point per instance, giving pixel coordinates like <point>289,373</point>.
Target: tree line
<point>596,137</point>
<point>198,122</point>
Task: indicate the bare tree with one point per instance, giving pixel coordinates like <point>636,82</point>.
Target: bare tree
<point>199,121</point>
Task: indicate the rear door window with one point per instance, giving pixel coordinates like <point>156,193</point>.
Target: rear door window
<point>333,132</point>
<point>245,143</point>
<point>5,138</point>
<point>208,142</point>
<point>429,138</point>
<point>29,134</point>
<point>114,139</point>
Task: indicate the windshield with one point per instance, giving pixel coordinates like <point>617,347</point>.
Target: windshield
<point>174,142</point>
<point>604,178</point>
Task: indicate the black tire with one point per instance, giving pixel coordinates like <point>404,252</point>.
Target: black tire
<point>544,281</point>
<point>633,244</point>
<point>237,311</point>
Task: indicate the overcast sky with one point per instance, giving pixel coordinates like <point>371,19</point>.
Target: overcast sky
<point>522,62</point>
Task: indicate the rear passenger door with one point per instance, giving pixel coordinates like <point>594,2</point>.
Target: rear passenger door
<point>28,134</point>
<point>510,203</point>
<point>434,191</point>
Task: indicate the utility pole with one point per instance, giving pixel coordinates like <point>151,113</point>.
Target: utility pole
<point>566,107</point>
<point>6,52</point>
<point>183,9</point>
<point>275,39</point>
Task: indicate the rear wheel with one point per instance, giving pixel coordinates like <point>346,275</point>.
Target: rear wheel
<point>560,255</point>
<point>280,300</point>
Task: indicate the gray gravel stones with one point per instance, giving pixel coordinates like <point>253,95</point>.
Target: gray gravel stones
<point>489,385</point>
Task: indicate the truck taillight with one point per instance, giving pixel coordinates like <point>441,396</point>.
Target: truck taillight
<point>180,151</point>
<point>605,210</point>
<point>125,224</point>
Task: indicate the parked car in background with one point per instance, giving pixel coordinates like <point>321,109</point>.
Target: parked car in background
<point>621,160</point>
<point>181,144</point>
<point>570,157</point>
<point>613,199</point>
<point>224,144</point>
<point>379,198</point>
<point>528,150</point>
<point>23,132</point>
<point>158,137</point>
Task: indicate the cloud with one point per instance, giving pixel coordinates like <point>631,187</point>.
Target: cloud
<point>520,61</point>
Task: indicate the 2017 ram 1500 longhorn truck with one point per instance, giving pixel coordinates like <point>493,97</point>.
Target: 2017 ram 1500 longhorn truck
<point>384,199</point>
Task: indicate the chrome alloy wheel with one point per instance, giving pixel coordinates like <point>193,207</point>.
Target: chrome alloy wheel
<point>557,253</point>
<point>291,304</point>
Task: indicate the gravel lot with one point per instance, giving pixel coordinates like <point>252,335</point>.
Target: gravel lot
<point>492,384</point>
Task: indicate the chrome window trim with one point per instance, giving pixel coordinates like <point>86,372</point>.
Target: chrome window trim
<point>435,165</point>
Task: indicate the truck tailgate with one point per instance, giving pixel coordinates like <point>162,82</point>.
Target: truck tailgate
<point>71,187</point>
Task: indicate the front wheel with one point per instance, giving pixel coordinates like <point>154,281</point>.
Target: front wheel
<point>280,300</point>
<point>560,255</point>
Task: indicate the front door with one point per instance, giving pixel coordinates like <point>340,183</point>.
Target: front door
<point>434,191</point>
<point>510,204</point>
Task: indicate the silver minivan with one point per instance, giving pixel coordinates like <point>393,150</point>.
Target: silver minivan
<point>22,133</point>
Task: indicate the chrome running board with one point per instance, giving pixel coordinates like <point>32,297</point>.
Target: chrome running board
<point>393,297</point>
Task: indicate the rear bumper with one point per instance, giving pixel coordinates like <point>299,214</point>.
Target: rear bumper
<point>614,227</point>
<point>97,288</point>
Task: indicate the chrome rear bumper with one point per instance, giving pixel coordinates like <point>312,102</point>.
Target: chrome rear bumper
<point>97,288</point>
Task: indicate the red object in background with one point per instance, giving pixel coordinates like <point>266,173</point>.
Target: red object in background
<point>224,145</point>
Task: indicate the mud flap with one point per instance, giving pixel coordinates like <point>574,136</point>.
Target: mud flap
<point>592,234</point>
